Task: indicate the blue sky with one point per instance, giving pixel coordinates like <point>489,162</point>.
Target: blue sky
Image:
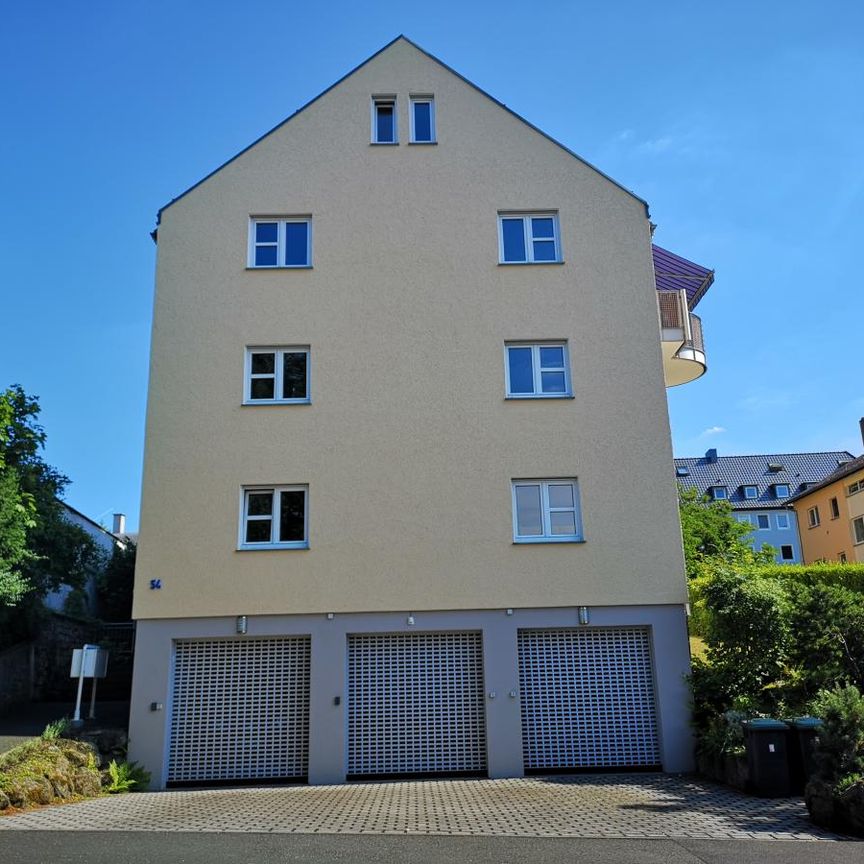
<point>740,123</point>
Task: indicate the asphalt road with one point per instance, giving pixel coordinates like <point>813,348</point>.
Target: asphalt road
<point>100,847</point>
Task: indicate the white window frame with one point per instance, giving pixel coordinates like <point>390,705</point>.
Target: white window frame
<point>716,497</point>
<point>780,525</point>
<point>546,510</point>
<point>537,370</point>
<point>855,488</point>
<point>279,351</point>
<point>745,518</point>
<point>813,517</point>
<point>767,518</point>
<point>529,238</point>
<point>281,222</point>
<point>841,557</point>
<point>791,548</point>
<point>858,520</point>
<point>384,100</point>
<point>418,100</point>
<point>748,489</point>
<point>275,490</point>
<point>777,490</point>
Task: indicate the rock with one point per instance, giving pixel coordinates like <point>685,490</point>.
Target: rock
<point>85,782</point>
<point>60,783</point>
<point>5,803</point>
<point>851,805</point>
<point>819,798</point>
<point>80,753</point>
<point>31,790</point>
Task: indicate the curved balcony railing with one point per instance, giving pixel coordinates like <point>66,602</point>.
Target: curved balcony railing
<point>683,341</point>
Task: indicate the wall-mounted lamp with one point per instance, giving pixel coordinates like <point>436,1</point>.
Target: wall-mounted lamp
<point>584,615</point>
<point>242,624</point>
<point>410,618</point>
<point>509,611</point>
<point>329,616</point>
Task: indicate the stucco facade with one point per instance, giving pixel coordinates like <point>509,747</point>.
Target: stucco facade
<point>408,446</point>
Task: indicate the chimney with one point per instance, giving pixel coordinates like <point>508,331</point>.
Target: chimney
<point>711,455</point>
<point>861,425</point>
<point>119,523</point>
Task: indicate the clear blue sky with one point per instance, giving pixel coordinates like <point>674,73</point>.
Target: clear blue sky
<point>741,123</point>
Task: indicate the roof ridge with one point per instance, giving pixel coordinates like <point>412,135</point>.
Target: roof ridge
<point>766,455</point>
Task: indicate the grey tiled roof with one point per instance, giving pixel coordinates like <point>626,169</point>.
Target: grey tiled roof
<point>843,471</point>
<point>672,273</point>
<point>733,472</point>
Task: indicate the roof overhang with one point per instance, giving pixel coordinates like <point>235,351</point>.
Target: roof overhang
<point>672,273</point>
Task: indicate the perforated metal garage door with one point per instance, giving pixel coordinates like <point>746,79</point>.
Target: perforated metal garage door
<point>415,704</point>
<point>240,710</point>
<point>587,698</point>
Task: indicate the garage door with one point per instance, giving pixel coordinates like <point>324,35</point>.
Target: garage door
<point>240,710</point>
<point>587,699</point>
<point>415,704</point>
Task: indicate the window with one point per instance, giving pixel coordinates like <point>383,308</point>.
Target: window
<point>528,239</point>
<point>813,516</point>
<point>682,471</point>
<point>783,521</point>
<point>280,242</point>
<point>537,370</point>
<point>422,120</point>
<point>763,521</point>
<point>719,493</point>
<point>745,518</point>
<point>787,553</point>
<point>841,557</point>
<point>781,490</point>
<point>274,518</point>
<point>384,120</point>
<point>751,492</point>
<point>546,511</point>
<point>835,509</point>
<point>858,529</point>
<point>276,375</point>
<point>854,488</point>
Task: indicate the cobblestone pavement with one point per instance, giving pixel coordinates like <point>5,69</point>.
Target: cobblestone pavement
<point>622,806</point>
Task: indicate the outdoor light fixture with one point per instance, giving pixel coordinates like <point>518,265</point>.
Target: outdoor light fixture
<point>509,611</point>
<point>241,624</point>
<point>410,618</point>
<point>584,616</point>
<point>329,616</point>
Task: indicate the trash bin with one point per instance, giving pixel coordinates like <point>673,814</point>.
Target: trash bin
<point>767,762</point>
<point>803,733</point>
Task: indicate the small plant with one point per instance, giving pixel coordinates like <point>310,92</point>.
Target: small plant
<point>125,775</point>
<point>56,729</point>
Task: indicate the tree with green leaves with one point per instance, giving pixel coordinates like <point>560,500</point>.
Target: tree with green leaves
<point>39,548</point>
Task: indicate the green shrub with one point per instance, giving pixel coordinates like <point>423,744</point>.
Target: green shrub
<point>125,775</point>
<point>850,576</point>
<point>56,729</point>
<point>839,750</point>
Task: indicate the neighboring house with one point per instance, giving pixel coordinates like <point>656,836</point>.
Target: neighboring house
<point>406,388</point>
<point>759,489</point>
<point>105,540</point>
<point>831,515</point>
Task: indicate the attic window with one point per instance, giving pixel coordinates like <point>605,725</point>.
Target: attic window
<point>719,493</point>
<point>384,120</point>
<point>681,471</point>
<point>781,490</point>
<point>751,492</point>
<point>774,467</point>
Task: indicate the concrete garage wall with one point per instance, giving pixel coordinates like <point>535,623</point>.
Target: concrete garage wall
<point>148,738</point>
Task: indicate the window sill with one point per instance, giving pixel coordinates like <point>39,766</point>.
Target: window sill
<point>546,540</point>
<point>528,263</point>
<point>282,267</point>
<point>422,143</point>
<point>273,547</point>
<point>255,403</point>
<point>529,396</point>
<point>383,143</point>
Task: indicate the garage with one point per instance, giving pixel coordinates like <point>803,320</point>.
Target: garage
<point>239,710</point>
<point>587,699</point>
<point>415,705</point>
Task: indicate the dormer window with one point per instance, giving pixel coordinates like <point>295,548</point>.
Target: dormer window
<point>719,493</point>
<point>751,493</point>
<point>774,467</point>
<point>682,471</point>
<point>781,490</point>
<point>384,120</point>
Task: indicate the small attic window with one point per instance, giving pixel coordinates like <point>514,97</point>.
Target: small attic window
<point>719,493</point>
<point>682,471</point>
<point>781,490</point>
<point>774,467</point>
<point>751,492</point>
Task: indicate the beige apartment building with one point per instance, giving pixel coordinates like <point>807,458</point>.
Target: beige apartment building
<point>406,414</point>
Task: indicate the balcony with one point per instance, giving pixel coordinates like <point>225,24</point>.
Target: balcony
<point>680,284</point>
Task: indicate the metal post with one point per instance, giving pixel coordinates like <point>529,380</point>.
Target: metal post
<point>92,714</point>
<point>77,717</point>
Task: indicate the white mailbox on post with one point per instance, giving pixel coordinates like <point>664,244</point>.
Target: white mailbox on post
<point>91,661</point>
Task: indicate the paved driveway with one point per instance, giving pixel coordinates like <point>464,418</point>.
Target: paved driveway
<point>621,806</point>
